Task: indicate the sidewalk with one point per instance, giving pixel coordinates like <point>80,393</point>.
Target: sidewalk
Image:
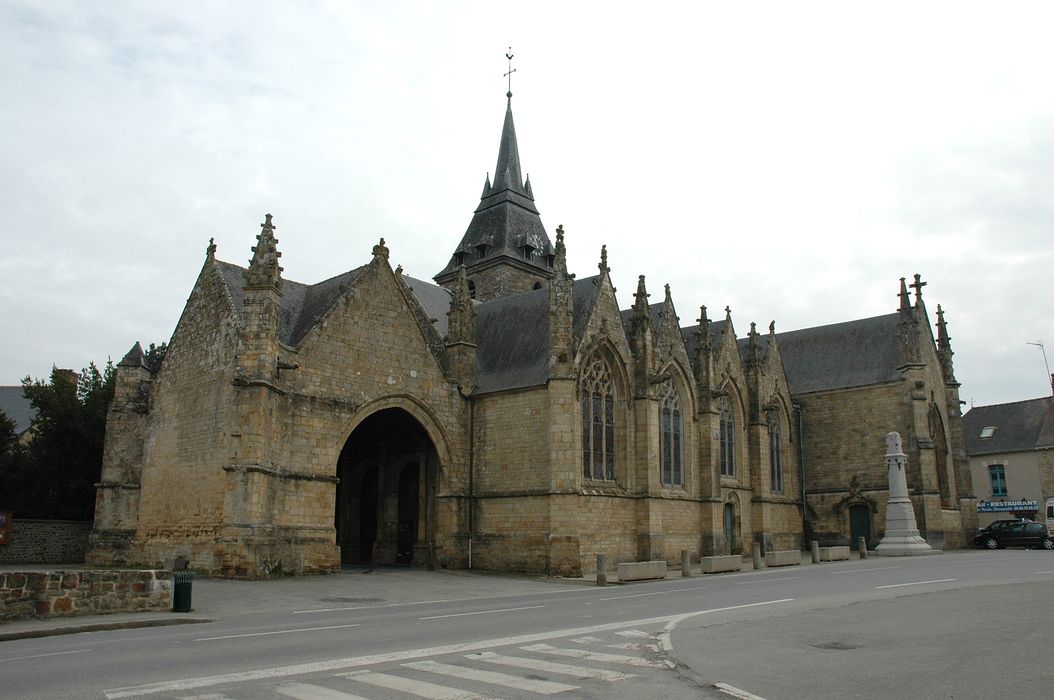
<point>213,599</point>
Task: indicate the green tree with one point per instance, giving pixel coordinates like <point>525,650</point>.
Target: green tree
<point>154,356</point>
<point>63,461</point>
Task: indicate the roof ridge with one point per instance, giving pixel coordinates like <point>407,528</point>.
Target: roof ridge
<point>1011,403</point>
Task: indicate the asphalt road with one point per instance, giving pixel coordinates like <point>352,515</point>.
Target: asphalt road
<point>963,624</point>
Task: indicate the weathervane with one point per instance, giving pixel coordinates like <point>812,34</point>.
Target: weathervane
<point>511,71</point>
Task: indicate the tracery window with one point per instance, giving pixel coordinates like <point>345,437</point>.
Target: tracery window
<point>775,454</point>
<point>728,438</point>
<point>671,435</point>
<point>598,421</point>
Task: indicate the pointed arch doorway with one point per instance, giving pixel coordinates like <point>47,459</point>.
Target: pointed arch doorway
<point>386,491</point>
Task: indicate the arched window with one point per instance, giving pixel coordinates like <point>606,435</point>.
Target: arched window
<point>728,438</point>
<point>775,454</point>
<point>671,432</point>
<point>471,289</point>
<point>598,421</point>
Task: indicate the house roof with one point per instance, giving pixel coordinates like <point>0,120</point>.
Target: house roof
<point>1019,427</point>
<point>17,407</point>
<point>842,355</point>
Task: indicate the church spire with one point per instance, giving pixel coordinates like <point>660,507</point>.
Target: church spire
<point>264,270</point>
<point>505,249</point>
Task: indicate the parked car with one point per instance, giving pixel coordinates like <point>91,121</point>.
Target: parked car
<point>1000,524</point>
<point>1015,534</point>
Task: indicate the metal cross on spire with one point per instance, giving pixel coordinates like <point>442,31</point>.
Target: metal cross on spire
<point>509,74</point>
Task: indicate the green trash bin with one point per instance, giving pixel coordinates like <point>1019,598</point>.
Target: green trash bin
<point>181,586</point>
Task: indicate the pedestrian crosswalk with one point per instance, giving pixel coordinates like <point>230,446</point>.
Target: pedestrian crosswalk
<point>533,670</point>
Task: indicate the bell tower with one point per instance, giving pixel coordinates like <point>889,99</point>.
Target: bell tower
<point>505,249</point>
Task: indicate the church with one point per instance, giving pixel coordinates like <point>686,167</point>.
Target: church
<point>508,415</point>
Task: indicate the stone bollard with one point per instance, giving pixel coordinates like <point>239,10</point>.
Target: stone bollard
<point>756,554</point>
<point>686,564</point>
<point>861,545</point>
<point>815,552</point>
<point>602,570</point>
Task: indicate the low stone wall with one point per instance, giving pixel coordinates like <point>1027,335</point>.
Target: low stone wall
<point>783,557</point>
<point>47,594</point>
<point>46,542</point>
<point>839,553</point>
<point>641,570</point>
<point>721,563</point>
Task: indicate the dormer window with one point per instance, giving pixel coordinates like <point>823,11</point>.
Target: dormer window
<point>987,432</point>
<point>549,260</point>
<point>527,251</point>
<point>481,251</point>
<point>459,258</point>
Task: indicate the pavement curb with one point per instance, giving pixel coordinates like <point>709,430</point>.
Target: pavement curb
<point>101,627</point>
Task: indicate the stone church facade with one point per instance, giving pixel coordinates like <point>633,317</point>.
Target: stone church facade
<point>509,417</point>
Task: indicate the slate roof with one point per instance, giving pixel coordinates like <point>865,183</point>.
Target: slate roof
<point>302,305</point>
<point>17,407</point>
<point>512,342</point>
<point>506,218</point>
<point>1020,426</point>
<point>435,300</point>
<point>842,355</point>
<point>717,328</point>
<point>512,336</point>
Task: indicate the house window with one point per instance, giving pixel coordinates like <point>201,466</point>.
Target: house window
<point>728,438</point>
<point>671,435</point>
<point>997,475</point>
<point>775,454</point>
<point>598,421</point>
<point>987,432</point>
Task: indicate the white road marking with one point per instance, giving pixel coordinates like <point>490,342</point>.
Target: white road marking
<point>857,571</point>
<point>264,634</point>
<point>586,640</point>
<point>664,638</point>
<point>40,656</point>
<point>635,595</point>
<point>549,666</point>
<point>1045,572</point>
<point>594,656</point>
<point>736,692</point>
<point>642,595</point>
<point>492,677</point>
<point>306,691</point>
<point>371,607</point>
<point>917,583</point>
<point>422,689</point>
<point>479,612</point>
<point>634,646</point>
<point>209,696</point>
<point>636,634</point>
<point>403,655</point>
<point>766,580</point>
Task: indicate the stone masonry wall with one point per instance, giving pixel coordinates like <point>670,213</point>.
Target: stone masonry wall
<point>47,594</point>
<point>46,542</point>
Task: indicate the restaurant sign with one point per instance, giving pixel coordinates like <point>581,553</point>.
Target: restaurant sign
<point>1006,506</point>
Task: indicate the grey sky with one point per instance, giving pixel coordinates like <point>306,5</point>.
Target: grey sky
<point>790,160</point>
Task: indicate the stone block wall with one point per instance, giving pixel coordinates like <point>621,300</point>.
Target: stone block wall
<point>46,542</point>
<point>47,594</point>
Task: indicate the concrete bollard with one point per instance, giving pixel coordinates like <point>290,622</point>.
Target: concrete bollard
<point>815,552</point>
<point>602,570</point>
<point>686,564</point>
<point>861,545</point>
<point>756,554</point>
